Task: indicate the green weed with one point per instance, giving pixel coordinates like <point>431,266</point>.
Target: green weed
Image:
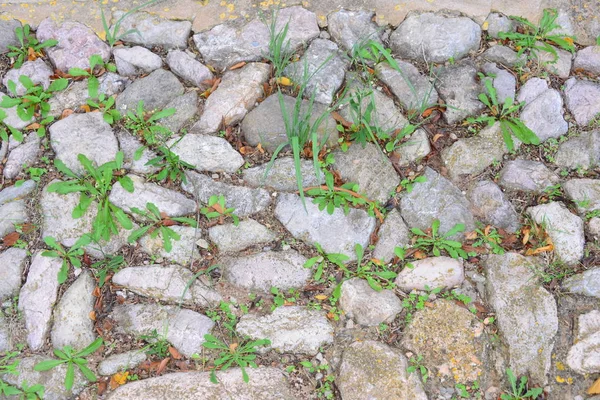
<point>518,389</point>
<point>108,265</point>
<point>72,256</point>
<point>113,36</point>
<point>416,364</point>
<point>106,106</point>
<point>157,346</point>
<point>170,165</point>
<point>216,209</point>
<point>146,125</point>
<point>90,73</point>
<point>27,41</point>
<point>322,261</point>
<point>6,129</point>
<point>280,54</point>
<point>434,242</point>
<point>35,100</point>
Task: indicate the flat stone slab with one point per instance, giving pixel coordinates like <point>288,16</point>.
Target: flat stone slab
<point>38,71</point>
<point>155,90</point>
<point>185,66</point>
<point>582,151</point>
<point>373,370</point>
<point>172,284</point>
<point>314,226</point>
<point>184,251</point>
<point>263,383</point>
<point>490,205</point>
<point>231,239</point>
<point>282,175</point>
<point>584,355</point>
<point>544,114</point>
<point>152,30</point>
<point>526,175</point>
<point>293,329</point>
<point>586,283</point>
<point>12,261</point>
<point>588,60</point>
<point>349,27</point>
<point>392,233</point>
<point>136,60</point>
<point>121,362</point>
<point>184,329</point>
<point>583,100</point>
<point>457,85</point>
<point>22,156</point>
<point>432,272</point>
<point>262,271</point>
<point>367,306</point>
<point>207,153</point>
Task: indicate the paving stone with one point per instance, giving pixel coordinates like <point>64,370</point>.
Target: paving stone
<point>76,44</point>
<point>13,263</point>
<point>504,56</point>
<point>326,67</point>
<point>368,167</point>
<point>544,115</point>
<point>37,71</point>
<point>583,100</point>
<point>564,228</point>
<point>282,175</point>
<point>15,193</point>
<point>86,134</point>
<point>314,226</point>
<point>129,144</point>
<point>582,151</point>
<point>584,356</point>
<point>232,239</point>
<point>436,198</point>
<point>419,36</point>
<point>525,313</point>
<point>392,233</point>
<point>367,306</point>
<point>266,125</point>
<point>184,329</point>
<point>559,64</point>
<point>594,227</point>
<point>22,156</point>
<point>155,90</point>
<point>458,87</point>
<point>263,383</point>
<point>238,91</point>
<point>185,66</point>
<point>262,271</point>
<point>497,23</point>
<point>451,340</point>
<point>72,325</point>
<point>136,60</point>
<point>186,107</point>
<point>7,34</point>
<point>414,148</point>
<point>491,206</point>
<point>52,380</point>
<point>585,193</point>
<point>432,272</point>
<point>351,28</point>
<point>528,176</point>
<point>207,153</point>
<point>121,362</point>
<point>586,283</point>
<point>152,30</point>
<point>12,118</point>
<point>11,214</point>
<point>373,370</point>
<point>412,89</point>
<point>246,201</point>
<point>532,89</point>
<point>588,60</point>
<point>503,81</point>
<point>5,338</point>
<point>172,203</point>
<point>184,250</point>
<point>168,284</point>
<point>473,155</point>
<point>294,329</point>
<point>37,297</point>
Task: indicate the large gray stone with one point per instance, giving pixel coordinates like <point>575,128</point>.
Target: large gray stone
<point>129,144</point>
<point>543,114</point>
<point>295,329</point>
<point>392,233</point>
<point>232,239</point>
<point>264,383</point>
<point>152,30</point>
<point>582,151</point>
<point>526,175</point>
<point>497,23</point>
<point>564,228</point>
<point>588,60</point>
<point>72,325</point>
<point>586,283</point>
<point>12,118</point>
<point>336,233</point>
<point>435,37</point>
<point>37,71</point>
<point>187,68</point>
<point>490,206</point>
<point>503,81</point>
<point>86,134</point>
<point>238,91</point>
<point>583,100</point>
<point>373,370</point>
<point>155,90</point>
<point>504,55</point>
<point>12,261</point>
<point>352,28</point>
<point>22,156</point>
<point>184,251</point>
<point>246,201</point>
<point>585,193</point>
<point>16,193</point>
<point>137,60</point>
<point>367,306</point>
<point>458,87</point>
<point>559,64</point>
<point>184,329</point>
<point>281,175</point>
<point>11,214</point>
<point>37,297</point>
<point>7,34</point>
<point>431,272</point>
<point>584,355</point>
<point>266,125</point>
<point>436,198</point>
<point>186,107</point>
<point>526,314</point>
<point>451,340</point>
<point>262,271</point>
<point>172,203</point>
<point>168,284</point>
<point>76,44</point>
<point>5,337</point>
<point>207,153</point>
<point>121,362</point>
<point>415,147</point>
<point>370,168</point>
<point>325,65</point>
<point>413,90</point>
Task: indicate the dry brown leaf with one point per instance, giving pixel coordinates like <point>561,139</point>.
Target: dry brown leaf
<point>321,297</point>
<point>174,353</point>
<point>92,315</point>
<point>102,386</point>
<point>246,150</point>
<point>419,255</point>
<point>96,292</point>
<point>260,148</point>
<point>31,54</point>
<point>237,66</point>
<point>11,239</point>
<point>162,366</point>
<point>32,127</point>
<point>437,136</point>
<point>526,232</point>
<point>283,81</point>
<point>533,252</point>
<point>118,379</point>
<point>471,235</point>
<point>595,388</point>
<point>233,346</point>
<point>345,123</point>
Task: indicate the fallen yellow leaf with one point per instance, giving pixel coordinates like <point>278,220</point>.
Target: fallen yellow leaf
<point>321,297</point>
<point>284,81</point>
<point>485,26</point>
<point>118,379</point>
<point>595,388</point>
